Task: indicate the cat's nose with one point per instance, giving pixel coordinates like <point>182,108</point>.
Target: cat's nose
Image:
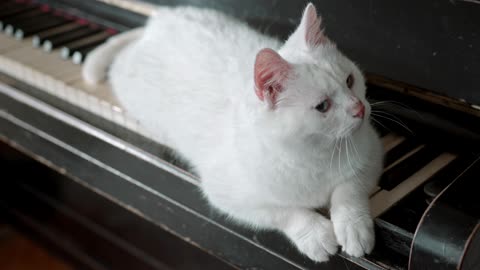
<point>358,109</point>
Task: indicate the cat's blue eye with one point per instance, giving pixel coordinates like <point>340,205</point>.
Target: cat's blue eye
<point>324,106</point>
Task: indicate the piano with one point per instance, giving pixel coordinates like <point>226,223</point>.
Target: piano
<point>84,179</point>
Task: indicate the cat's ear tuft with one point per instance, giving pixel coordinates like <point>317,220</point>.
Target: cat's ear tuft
<point>309,31</point>
<point>311,26</point>
<point>270,74</point>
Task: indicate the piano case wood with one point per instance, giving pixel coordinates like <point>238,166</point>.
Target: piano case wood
<point>150,215</point>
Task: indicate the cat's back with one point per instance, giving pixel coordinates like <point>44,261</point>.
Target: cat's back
<point>187,70</point>
<point>213,45</point>
<point>201,53</point>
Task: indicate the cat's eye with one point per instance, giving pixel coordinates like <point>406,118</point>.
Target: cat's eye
<point>324,106</point>
<point>350,81</point>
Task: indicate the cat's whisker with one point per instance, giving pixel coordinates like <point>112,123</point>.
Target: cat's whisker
<point>395,103</point>
<point>391,115</point>
<point>395,121</point>
<point>387,113</point>
<point>340,157</point>
<point>356,178</point>
<point>333,153</point>
<point>378,122</point>
<point>348,157</point>
<point>383,102</point>
<point>354,147</point>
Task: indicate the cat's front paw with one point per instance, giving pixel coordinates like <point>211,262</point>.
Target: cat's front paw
<point>354,233</point>
<point>315,239</point>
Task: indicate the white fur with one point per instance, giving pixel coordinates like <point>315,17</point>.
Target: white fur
<point>189,80</point>
<point>96,65</point>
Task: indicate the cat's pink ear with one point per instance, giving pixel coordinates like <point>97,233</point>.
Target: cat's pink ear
<point>310,27</point>
<point>271,72</point>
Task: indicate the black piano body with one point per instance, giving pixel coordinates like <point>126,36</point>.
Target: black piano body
<point>106,197</point>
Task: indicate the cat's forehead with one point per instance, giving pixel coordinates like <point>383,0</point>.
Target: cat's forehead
<point>330,58</point>
<point>316,83</point>
<point>327,72</point>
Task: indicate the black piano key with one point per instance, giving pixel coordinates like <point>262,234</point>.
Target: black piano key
<point>23,15</point>
<point>81,44</point>
<point>39,37</point>
<point>8,19</point>
<point>35,28</point>
<point>79,55</point>
<point>401,171</point>
<point>408,211</point>
<point>400,150</point>
<point>5,5</point>
<point>15,10</point>
<point>446,175</point>
<point>30,19</point>
<point>62,39</point>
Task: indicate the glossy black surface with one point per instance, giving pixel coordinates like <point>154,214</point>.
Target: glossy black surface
<point>84,45</point>
<point>80,53</point>
<point>32,27</point>
<point>400,150</point>
<point>15,10</point>
<point>22,18</point>
<point>100,229</point>
<point>455,214</point>
<point>40,37</point>
<point>407,213</point>
<point>65,38</point>
<point>401,171</point>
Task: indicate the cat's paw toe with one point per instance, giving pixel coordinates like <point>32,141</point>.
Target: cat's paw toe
<point>317,241</point>
<point>356,236</point>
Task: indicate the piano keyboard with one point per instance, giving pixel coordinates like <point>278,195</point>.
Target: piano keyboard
<point>45,48</point>
<point>45,58</point>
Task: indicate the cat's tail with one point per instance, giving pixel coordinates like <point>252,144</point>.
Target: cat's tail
<point>97,62</point>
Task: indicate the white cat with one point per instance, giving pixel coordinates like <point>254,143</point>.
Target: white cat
<point>274,130</point>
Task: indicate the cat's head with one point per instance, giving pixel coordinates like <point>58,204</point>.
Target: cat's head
<point>309,87</point>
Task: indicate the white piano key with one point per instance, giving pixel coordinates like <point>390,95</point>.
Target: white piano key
<point>391,140</point>
<point>384,200</point>
<point>62,79</point>
<point>7,43</point>
<point>407,155</point>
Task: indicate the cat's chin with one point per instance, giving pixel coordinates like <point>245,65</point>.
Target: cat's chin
<point>358,126</point>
